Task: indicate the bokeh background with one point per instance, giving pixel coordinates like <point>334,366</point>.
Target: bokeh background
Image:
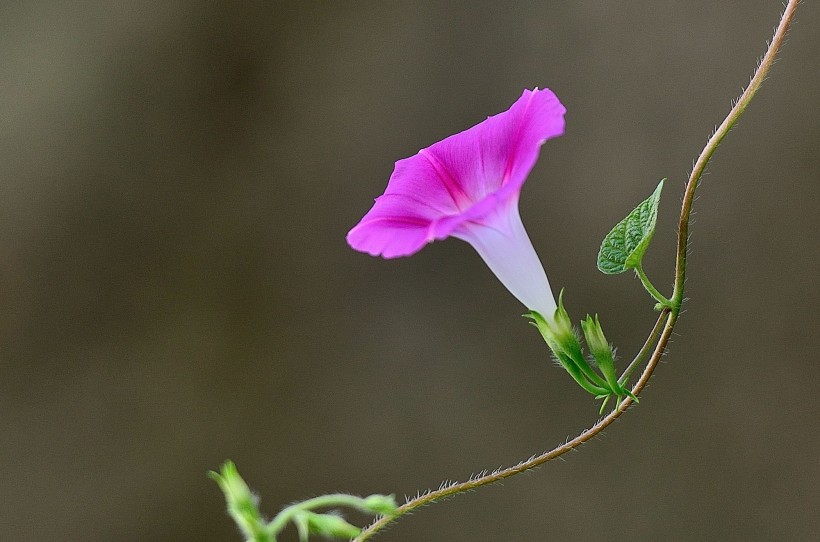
<point>175,290</point>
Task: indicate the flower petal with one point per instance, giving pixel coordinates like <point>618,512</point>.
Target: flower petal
<point>502,242</point>
<point>459,179</point>
<point>396,226</point>
<point>501,150</point>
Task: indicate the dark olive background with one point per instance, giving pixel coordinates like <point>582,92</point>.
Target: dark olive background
<point>175,289</point>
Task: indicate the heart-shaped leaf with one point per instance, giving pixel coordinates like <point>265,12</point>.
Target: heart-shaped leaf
<point>623,247</point>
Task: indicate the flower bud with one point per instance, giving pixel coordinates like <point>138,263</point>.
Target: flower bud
<point>596,341</point>
<point>381,504</point>
<point>600,350</point>
<point>329,525</point>
<point>242,503</point>
<point>232,484</point>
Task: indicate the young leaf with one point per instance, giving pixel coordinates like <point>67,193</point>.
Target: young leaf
<point>623,247</point>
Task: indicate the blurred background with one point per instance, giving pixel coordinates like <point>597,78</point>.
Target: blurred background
<point>175,289</point>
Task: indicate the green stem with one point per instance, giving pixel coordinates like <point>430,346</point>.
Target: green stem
<point>669,315</point>
<point>577,374</point>
<point>281,520</point>
<point>659,297</point>
<point>574,361</point>
<point>590,373</point>
<point>647,346</point>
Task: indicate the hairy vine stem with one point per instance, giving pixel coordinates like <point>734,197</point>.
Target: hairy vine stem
<point>669,315</point>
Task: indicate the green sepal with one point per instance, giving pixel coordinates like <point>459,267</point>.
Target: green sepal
<point>624,246</point>
<point>558,331</point>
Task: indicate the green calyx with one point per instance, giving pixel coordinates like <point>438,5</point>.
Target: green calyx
<point>562,339</point>
<point>558,331</point>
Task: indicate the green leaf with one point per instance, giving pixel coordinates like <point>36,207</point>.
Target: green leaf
<point>623,247</point>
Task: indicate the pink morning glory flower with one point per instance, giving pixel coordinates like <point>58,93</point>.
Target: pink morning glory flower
<point>467,186</point>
